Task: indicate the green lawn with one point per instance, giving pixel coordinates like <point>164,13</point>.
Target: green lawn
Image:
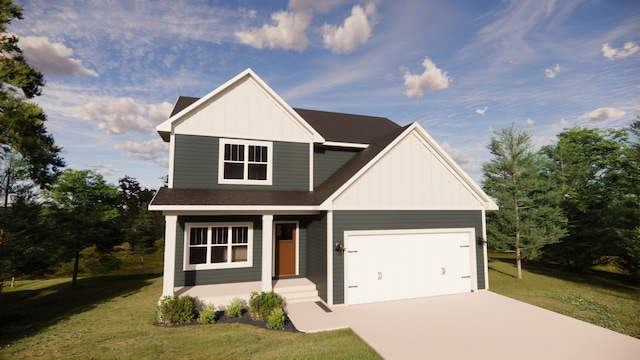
<point>112,317</point>
<point>602,298</point>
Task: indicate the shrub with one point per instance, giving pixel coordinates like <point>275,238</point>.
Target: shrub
<point>235,308</point>
<point>260,305</point>
<point>208,314</point>
<point>175,310</point>
<point>276,319</point>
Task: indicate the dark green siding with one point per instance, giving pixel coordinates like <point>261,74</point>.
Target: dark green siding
<point>196,165</point>
<point>317,254</point>
<point>218,276</point>
<point>380,220</point>
<point>327,161</point>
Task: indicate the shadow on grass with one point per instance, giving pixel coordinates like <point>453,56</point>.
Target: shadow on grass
<point>604,279</point>
<point>24,313</point>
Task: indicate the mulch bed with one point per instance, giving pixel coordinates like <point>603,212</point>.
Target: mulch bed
<point>245,319</point>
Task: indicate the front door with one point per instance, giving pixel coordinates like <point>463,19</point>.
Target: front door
<point>285,249</point>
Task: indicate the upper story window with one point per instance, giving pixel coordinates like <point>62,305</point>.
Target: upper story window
<point>245,162</point>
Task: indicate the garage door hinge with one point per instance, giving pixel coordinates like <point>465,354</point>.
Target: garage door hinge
<point>353,286</point>
<point>464,246</point>
<point>466,277</point>
<point>352,251</point>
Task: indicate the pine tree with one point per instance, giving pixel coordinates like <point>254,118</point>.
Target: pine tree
<point>528,219</point>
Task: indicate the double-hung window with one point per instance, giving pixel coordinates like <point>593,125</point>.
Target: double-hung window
<point>218,245</point>
<point>245,162</point>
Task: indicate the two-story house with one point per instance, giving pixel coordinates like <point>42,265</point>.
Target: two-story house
<point>357,207</point>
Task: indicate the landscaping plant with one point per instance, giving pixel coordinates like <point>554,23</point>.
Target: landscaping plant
<point>276,319</point>
<point>261,304</point>
<point>235,308</point>
<point>174,310</point>
<point>207,314</point>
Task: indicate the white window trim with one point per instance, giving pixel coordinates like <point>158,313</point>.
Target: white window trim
<point>246,143</point>
<point>208,266</point>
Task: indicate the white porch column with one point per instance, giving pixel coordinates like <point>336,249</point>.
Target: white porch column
<point>330,250</point>
<point>267,251</point>
<point>169,274</point>
<point>484,250</point>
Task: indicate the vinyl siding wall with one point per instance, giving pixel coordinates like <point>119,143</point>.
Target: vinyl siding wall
<point>196,165</point>
<point>218,276</point>
<point>317,253</point>
<point>380,220</point>
<point>327,160</point>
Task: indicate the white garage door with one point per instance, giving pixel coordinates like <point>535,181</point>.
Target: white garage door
<point>383,266</point>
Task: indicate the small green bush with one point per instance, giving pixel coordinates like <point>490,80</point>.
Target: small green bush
<point>175,310</point>
<point>276,319</point>
<point>207,314</point>
<point>235,308</point>
<point>260,305</point>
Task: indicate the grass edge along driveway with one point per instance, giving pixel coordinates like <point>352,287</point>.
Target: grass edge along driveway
<point>112,317</point>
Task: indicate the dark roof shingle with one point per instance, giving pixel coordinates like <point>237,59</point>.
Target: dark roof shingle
<point>347,128</point>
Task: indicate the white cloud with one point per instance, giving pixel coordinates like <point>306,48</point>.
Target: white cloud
<point>52,59</point>
<point>459,156</point>
<point>602,114</point>
<point>564,122</point>
<point>431,79</point>
<point>104,169</point>
<point>481,111</point>
<point>355,30</point>
<point>629,48</point>
<point>551,73</point>
<point>126,114</point>
<point>286,32</point>
<point>153,150</point>
<point>529,121</point>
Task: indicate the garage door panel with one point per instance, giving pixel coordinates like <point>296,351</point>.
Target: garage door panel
<point>388,266</point>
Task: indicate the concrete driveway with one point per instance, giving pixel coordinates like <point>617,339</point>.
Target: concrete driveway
<point>481,325</point>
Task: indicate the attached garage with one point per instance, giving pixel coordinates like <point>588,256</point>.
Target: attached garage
<point>401,264</point>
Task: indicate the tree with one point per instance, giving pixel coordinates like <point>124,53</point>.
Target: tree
<point>527,219</point>
<point>29,245</point>
<point>592,167</point>
<point>22,122</point>
<point>81,207</point>
<point>142,235</point>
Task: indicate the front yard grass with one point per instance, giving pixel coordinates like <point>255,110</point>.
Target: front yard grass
<point>602,298</point>
<point>112,317</point>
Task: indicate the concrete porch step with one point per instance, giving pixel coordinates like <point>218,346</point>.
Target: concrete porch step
<point>296,290</point>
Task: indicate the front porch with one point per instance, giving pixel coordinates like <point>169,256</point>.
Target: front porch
<point>293,290</point>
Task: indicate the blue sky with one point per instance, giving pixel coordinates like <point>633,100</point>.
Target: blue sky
<point>462,69</point>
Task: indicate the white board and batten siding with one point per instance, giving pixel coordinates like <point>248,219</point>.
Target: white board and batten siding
<point>404,264</point>
<point>245,108</point>
<point>410,175</point>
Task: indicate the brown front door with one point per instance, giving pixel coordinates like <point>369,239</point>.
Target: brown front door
<point>285,249</point>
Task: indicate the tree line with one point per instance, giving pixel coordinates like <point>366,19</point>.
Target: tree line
<point>49,216</point>
<point>575,203</point>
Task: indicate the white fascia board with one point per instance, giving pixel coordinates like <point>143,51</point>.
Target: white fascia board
<point>167,126</point>
<point>234,208</point>
<point>345,145</point>
<point>456,169</point>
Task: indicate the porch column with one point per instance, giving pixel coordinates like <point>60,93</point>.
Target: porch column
<point>330,250</point>
<point>169,274</point>
<point>267,251</point>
